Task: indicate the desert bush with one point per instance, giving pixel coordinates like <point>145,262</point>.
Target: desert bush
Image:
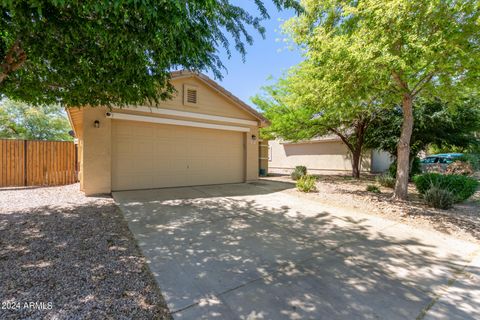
<point>298,172</point>
<point>439,198</point>
<point>386,180</point>
<point>461,187</point>
<point>373,188</point>
<point>459,167</point>
<point>416,168</point>
<point>307,183</point>
<point>473,159</point>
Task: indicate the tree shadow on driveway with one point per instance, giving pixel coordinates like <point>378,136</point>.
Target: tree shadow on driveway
<point>273,256</point>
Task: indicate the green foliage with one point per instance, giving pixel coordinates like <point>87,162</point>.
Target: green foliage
<point>22,121</point>
<point>443,126</point>
<point>439,198</point>
<point>115,52</point>
<point>414,170</point>
<point>416,167</point>
<point>386,180</point>
<point>379,44</point>
<point>373,188</point>
<point>298,172</point>
<point>306,183</point>
<point>473,159</point>
<point>462,187</point>
<point>389,52</point>
<point>297,112</point>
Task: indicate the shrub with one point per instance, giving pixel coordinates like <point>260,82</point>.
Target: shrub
<point>473,159</point>
<point>416,168</point>
<point>373,188</point>
<point>386,180</point>
<point>459,167</point>
<point>298,172</point>
<point>392,170</point>
<point>439,198</point>
<point>461,187</point>
<point>307,183</point>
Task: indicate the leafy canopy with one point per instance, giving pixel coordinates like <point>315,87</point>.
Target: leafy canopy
<point>22,121</point>
<point>115,52</point>
<point>401,48</point>
<point>448,126</point>
<point>298,110</point>
<point>392,46</point>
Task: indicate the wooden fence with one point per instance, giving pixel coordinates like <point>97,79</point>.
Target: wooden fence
<point>37,163</point>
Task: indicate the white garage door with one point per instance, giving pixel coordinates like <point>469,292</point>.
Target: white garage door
<point>148,155</point>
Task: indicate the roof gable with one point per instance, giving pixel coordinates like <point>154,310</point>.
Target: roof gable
<point>221,91</point>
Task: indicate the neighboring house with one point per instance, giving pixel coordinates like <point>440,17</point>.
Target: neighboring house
<point>204,135</point>
<point>327,155</point>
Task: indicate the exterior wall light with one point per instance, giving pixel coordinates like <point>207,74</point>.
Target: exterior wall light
<point>254,137</point>
<point>96,124</point>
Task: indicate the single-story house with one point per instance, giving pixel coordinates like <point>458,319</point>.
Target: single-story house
<point>322,155</point>
<point>203,135</point>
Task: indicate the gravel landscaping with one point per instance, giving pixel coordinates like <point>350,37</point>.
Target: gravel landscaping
<point>462,221</point>
<point>66,256</point>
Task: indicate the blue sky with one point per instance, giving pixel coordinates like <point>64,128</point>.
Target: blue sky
<point>266,57</point>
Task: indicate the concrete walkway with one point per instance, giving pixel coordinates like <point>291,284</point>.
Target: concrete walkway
<point>254,251</point>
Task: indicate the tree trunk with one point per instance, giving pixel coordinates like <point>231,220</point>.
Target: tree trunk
<point>356,154</point>
<point>356,148</point>
<point>403,149</point>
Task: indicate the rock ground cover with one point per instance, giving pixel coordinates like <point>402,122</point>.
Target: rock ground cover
<point>72,255</point>
<point>462,221</point>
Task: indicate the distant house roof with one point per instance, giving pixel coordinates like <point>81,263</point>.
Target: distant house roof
<point>325,138</point>
<point>214,85</point>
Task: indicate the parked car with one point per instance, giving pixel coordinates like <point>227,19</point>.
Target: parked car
<point>438,162</point>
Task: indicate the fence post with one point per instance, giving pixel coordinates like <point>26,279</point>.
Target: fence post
<point>25,181</point>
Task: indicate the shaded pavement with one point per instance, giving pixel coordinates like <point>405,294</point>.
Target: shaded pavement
<point>252,251</point>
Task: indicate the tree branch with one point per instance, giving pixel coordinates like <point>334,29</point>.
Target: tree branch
<point>422,83</point>
<point>13,60</point>
<point>343,138</point>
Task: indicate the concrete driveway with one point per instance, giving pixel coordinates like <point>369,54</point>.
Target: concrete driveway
<point>257,251</point>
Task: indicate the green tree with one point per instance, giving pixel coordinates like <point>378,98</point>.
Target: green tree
<point>298,111</point>
<point>440,125</point>
<point>404,48</point>
<point>19,120</point>
<point>114,52</point>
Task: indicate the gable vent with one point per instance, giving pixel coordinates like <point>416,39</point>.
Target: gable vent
<point>191,96</point>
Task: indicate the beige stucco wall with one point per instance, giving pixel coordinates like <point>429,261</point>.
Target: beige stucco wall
<point>318,157</point>
<point>96,143</point>
<point>210,101</point>
<point>96,152</point>
<point>251,149</point>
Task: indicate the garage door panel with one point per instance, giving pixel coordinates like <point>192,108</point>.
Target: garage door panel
<point>156,156</point>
